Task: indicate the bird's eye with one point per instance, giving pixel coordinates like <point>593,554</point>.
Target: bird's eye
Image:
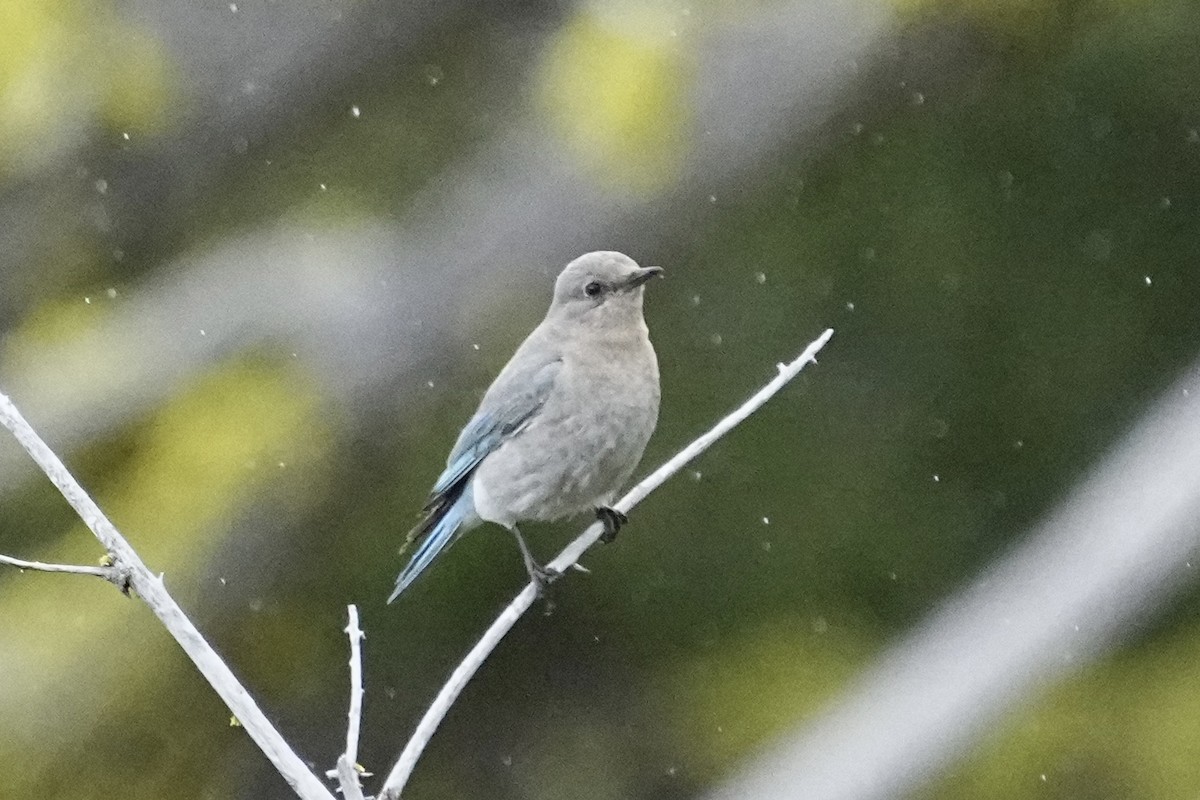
<point>592,289</point>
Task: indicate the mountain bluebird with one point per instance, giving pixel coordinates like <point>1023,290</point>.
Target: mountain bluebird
<point>563,426</point>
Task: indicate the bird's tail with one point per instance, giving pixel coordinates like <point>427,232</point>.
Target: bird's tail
<point>435,533</point>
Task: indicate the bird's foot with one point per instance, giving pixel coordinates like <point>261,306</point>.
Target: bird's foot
<point>613,520</point>
<point>542,577</point>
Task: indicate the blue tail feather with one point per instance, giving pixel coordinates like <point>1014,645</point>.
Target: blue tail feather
<point>436,533</point>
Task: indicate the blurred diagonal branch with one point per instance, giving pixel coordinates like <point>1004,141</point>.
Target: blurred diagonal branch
<point>398,777</point>
<point>152,591</point>
<point>1118,546</point>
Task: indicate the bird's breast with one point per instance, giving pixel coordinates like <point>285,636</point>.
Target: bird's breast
<point>586,440</point>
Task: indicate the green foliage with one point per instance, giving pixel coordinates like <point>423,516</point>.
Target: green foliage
<point>67,66</point>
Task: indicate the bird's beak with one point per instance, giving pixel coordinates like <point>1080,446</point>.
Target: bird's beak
<point>642,275</point>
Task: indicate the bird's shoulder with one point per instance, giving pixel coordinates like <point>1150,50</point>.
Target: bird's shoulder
<point>530,372</point>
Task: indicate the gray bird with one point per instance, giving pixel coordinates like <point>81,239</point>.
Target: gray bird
<point>562,427</point>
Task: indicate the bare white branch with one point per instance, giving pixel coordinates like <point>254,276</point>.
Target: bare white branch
<point>399,775</point>
<point>112,574</point>
<point>347,769</point>
<point>151,590</point>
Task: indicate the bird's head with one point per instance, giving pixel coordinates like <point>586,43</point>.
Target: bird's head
<point>604,286</point>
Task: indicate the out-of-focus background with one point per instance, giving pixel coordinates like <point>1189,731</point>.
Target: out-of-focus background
<point>259,259</point>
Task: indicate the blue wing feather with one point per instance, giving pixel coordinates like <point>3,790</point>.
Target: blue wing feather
<point>440,535</point>
<point>511,403</point>
<point>507,407</point>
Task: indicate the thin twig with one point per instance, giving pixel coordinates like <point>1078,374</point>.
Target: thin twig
<point>113,574</point>
<point>347,763</point>
<point>152,591</point>
<point>463,673</point>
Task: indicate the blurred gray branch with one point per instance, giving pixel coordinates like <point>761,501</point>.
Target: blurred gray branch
<point>363,304</point>
<point>1121,544</point>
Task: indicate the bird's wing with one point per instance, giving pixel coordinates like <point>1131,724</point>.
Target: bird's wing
<point>508,407</point>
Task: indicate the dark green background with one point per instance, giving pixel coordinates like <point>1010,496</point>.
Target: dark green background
<point>1009,259</point>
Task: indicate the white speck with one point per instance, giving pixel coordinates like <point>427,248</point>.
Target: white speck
<point>720,729</point>
<point>857,128</point>
<point>716,339</point>
<point>87,301</point>
<point>323,187</point>
<point>355,112</point>
<point>1186,393</point>
<point>233,8</point>
<point>110,293</point>
<point>1188,564</point>
<point>1146,278</point>
<point>877,139</point>
<point>918,99</point>
<point>1018,444</point>
<point>506,761</point>
<point>222,580</point>
<point>712,198</point>
<point>671,771</point>
<point>766,520</point>
<point>474,347</point>
<point>766,546</point>
<point>695,299</point>
<point>937,478</point>
<point>850,306</point>
<point>1043,778</point>
<point>101,186</point>
<point>434,74</point>
<point>697,475</point>
<point>429,384</point>
<point>125,136</point>
<point>1164,203</point>
<point>892,575</point>
<point>760,277</point>
<point>820,624</point>
<point>281,465</point>
<point>202,333</point>
<point>1193,135</point>
<point>256,604</point>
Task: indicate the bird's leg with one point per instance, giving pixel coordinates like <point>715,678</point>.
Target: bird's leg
<point>542,576</point>
<point>613,520</point>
